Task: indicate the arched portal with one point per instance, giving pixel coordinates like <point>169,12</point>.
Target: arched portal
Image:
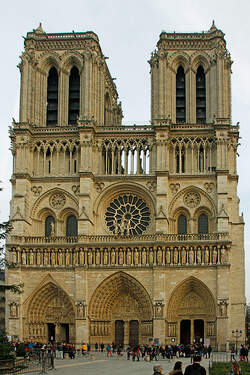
<point>191,313</point>
<point>50,316</point>
<point>120,311</point>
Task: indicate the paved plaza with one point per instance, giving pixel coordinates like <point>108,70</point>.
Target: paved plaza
<point>106,366</point>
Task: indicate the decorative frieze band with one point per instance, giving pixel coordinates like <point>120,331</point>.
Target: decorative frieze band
<point>122,256</point>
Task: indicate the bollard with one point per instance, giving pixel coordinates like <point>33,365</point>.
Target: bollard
<point>92,357</point>
<point>147,358</point>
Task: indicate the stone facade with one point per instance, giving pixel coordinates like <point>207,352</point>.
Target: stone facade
<point>125,233</point>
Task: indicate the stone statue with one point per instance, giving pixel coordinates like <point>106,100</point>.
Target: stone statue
<point>191,256</point>
<point>31,258</point>
<point>176,256</point>
<point>183,256</point>
<point>60,258</point>
<point>136,257</point>
<point>45,258</point>
<point>158,310</point>
<point>13,310</point>
<point>53,258</point>
<point>97,257</point>
<point>121,257</point>
<point>224,258</point>
<point>38,257</point>
<point>80,310</point>
<point>90,258</point>
<point>68,260</point>
<point>128,257</point>
<point>113,257</point>
<point>105,257</point>
<point>52,228</point>
<point>168,256</point>
<point>206,255</point>
<point>143,257</point>
<point>24,258</point>
<point>151,256</point>
<point>159,256</point>
<point>214,255</point>
<point>81,257</point>
<point>198,255</point>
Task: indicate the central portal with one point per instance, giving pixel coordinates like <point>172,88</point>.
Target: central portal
<point>120,311</point>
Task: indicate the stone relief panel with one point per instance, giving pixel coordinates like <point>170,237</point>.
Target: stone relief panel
<point>80,310</point>
<point>158,309</point>
<point>14,310</point>
<point>222,308</point>
<point>172,329</point>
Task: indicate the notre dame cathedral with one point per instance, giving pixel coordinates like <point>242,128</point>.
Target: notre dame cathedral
<point>125,234</point>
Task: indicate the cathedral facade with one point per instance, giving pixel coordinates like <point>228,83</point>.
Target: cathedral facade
<point>125,234</point>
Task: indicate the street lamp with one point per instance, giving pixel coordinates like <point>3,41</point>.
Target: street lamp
<point>237,334</point>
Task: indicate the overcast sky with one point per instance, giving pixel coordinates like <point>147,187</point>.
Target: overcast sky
<point>128,31</point>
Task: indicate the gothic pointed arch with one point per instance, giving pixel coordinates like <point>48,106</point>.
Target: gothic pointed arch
<point>48,305</point>
<point>191,299</point>
<point>120,298</point>
<point>109,292</point>
<point>52,97</point>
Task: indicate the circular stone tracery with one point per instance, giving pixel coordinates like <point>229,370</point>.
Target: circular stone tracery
<point>192,199</point>
<point>57,200</point>
<point>127,215</point>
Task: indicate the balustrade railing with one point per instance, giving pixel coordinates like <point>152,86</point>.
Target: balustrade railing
<point>92,239</point>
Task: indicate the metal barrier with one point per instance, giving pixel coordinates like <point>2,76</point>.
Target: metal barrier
<point>37,363</point>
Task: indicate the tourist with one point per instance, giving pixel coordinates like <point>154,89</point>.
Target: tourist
<point>109,354</point>
<point>177,369</point>
<point>96,347</point>
<point>157,370</point>
<point>195,367</point>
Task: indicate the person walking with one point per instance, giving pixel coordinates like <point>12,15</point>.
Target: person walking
<point>195,368</point>
<point>109,354</point>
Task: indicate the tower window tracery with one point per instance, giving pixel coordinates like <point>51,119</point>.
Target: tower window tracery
<point>74,96</point>
<point>203,224</point>
<point>180,96</point>
<point>52,97</point>
<point>200,95</point>
<point>71,226</point>
<point>182,224</point>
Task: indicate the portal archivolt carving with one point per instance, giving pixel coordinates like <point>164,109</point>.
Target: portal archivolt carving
<point>191,299</point>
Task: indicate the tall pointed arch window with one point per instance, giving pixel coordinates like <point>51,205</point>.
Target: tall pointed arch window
<point>74,95</point>
<point>200,95</point>
<point>50,226</point>
<point>203,224</point>
<point>71,226</point>
<point>180,96</point>
<point>52,97</point>
<point>107,110</point>
<point>182,224</point>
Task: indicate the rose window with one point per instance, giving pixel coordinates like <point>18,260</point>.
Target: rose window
<point>127,215</point>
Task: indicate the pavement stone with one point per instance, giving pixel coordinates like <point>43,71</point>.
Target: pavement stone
<point>106,366</point>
